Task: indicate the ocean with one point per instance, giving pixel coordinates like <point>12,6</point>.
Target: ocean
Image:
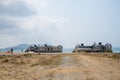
<point>69,50</point>
<point>116,49</point>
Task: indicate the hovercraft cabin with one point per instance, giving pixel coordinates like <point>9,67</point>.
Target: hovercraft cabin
<point>93,48</point>
<point>44,49</point>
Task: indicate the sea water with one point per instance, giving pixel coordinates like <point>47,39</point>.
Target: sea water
<point>69,50</point>
<point>116,49</point>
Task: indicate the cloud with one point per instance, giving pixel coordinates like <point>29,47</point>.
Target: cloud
<point>17,8</point>
<point>6,2</point>
<point>6,24</point>
<point>20,7</point>
<point>45,29</point>
<point>35,4</point>
<point>21,22</point>
<point>18,15</point>
<point>34,29</point>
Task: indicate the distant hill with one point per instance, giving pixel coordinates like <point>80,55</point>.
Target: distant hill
<point>17,48</point>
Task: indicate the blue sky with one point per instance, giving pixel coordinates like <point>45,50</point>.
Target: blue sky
<point>65,22</point>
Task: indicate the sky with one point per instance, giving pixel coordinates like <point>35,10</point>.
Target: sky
<point>59,22</point>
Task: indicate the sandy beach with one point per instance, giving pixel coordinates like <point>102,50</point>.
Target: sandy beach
<point>75,66</point>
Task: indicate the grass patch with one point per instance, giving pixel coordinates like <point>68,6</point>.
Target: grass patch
<point>5,60</point>
<point>115,56</point>
<point>107,55</point>
<point>48,60</point>
<point>35,64</point>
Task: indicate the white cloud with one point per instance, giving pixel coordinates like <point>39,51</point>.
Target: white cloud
<point>36,5</point>
<point>7,2</point>
<point>42,23</point>
<point>31,3</point>
<point>37,29</point>
<point>21,7</point>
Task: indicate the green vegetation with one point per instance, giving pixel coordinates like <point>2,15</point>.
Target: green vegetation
<point>109,51</point>
<point>48,61</point>
<point>108,55</point>
<point>116,56</point>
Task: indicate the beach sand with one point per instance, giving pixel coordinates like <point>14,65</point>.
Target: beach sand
<point>76,66</point>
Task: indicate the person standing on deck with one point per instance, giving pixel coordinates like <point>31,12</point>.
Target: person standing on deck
<point>21,50</point>
<point>11,50</point>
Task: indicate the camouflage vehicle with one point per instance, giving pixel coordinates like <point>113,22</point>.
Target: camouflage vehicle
<point>93,48</point>
<point>44,49</point>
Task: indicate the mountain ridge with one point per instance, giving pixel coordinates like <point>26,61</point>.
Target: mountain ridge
<point>16,48</point>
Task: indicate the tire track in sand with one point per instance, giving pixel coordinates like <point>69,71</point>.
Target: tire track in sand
<point>83,67</point>
<point>71,69</point>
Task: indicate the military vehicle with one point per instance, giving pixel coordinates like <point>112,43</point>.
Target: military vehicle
<point>44,49</point>
<point>93,48</point>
